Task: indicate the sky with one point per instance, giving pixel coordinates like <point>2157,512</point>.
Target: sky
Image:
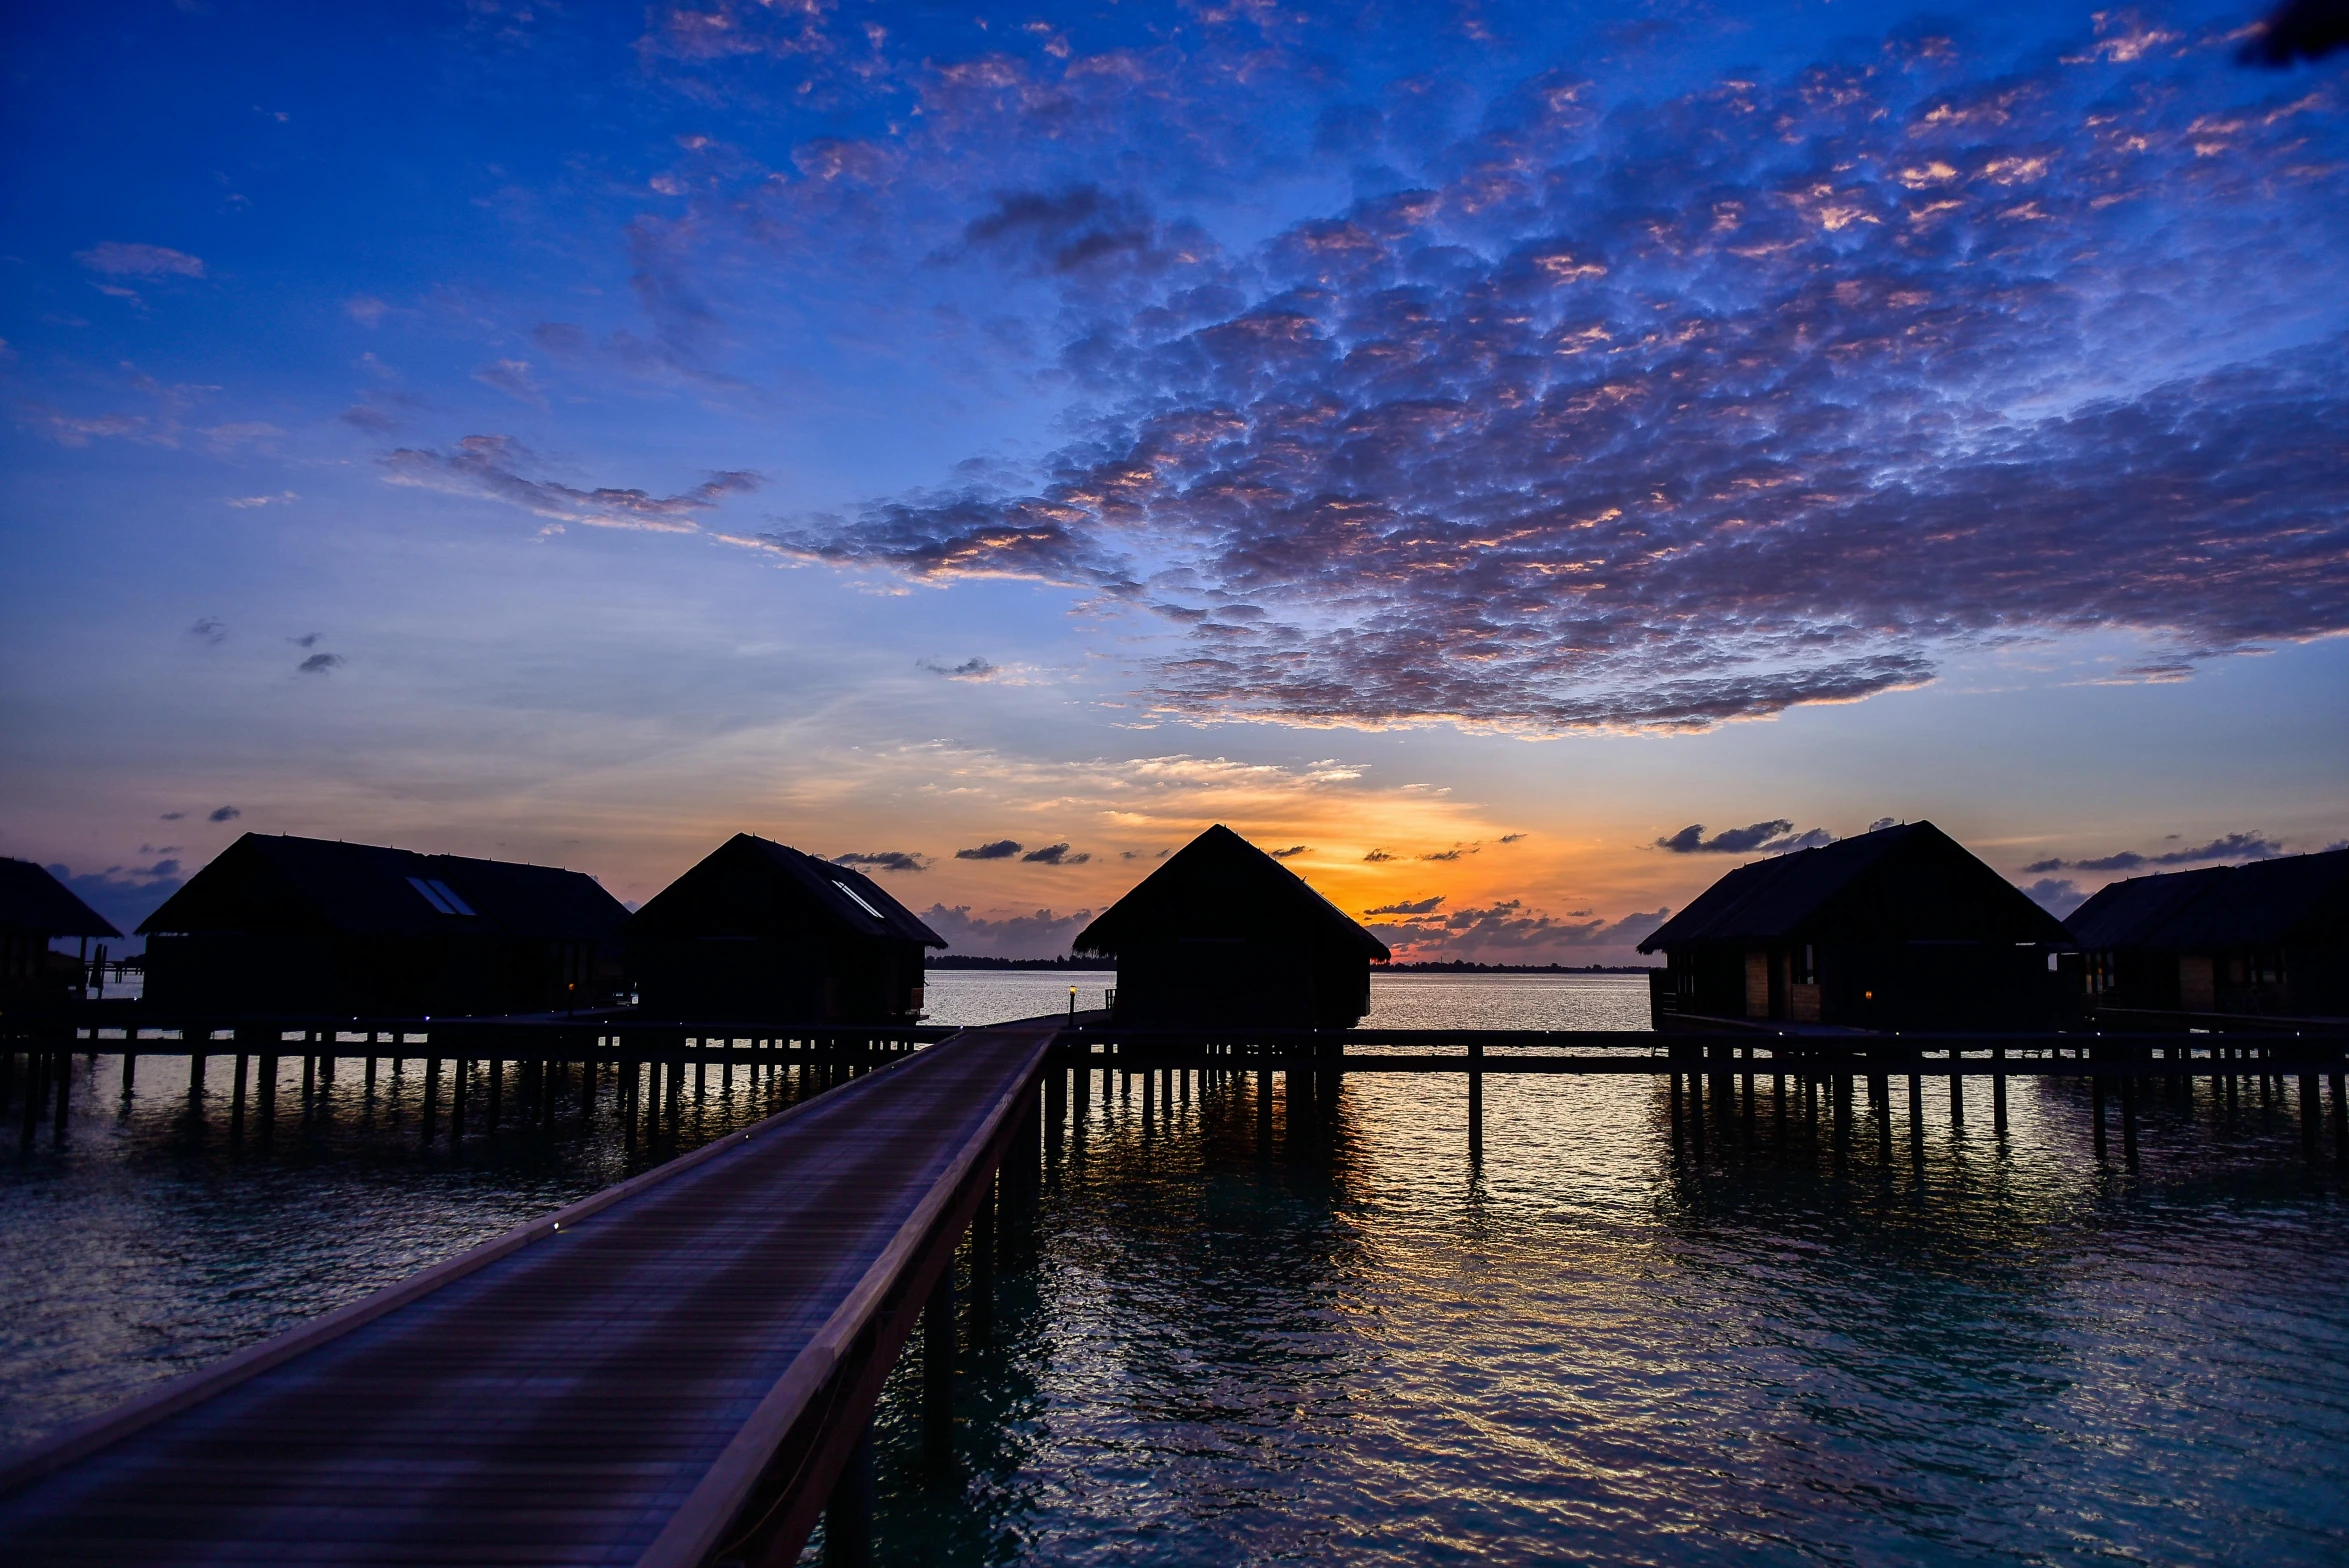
<point>1516,463</point>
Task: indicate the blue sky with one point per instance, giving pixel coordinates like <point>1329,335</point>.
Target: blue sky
<point>1467,446</point>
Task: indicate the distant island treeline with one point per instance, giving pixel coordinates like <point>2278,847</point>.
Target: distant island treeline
<point>1456,966</point>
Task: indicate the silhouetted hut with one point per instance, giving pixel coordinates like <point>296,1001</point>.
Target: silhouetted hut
<point>761,930</point>
<point>279,925</point>
<point>36,908</point>
<point>1896,929</point>
<point>2270,938</point>
<point>1223,935</point>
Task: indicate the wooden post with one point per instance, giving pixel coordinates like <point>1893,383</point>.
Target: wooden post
<point>983,1267</point>
<point>236,1101</point>
<point>371,1069</point>
<point>1957,1087</point>
<point>848,1512</point>
<point>35,1083</point>
<point>2096,1110</point>
<point>1677,1112</point>
<point>265,1108</point>
<point>309,1082</point>
<point>1263,1109</point>
<point>1696,1110</point>
<point>2129,1113</point>
<point>1998,1091</point>
<point>130,1062</point>
<point>64,1092</point>
<point>431,1094</point>
<point>2309,1139</point>
<point>938,1369</point>
<point>195,1070</point>
<point>1475,1101</point>
<point>497,1084</point>
<point>1917,1108</point>
<point>2340,1121</point>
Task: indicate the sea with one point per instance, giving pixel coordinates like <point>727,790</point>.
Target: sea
<point>1353,1343</point>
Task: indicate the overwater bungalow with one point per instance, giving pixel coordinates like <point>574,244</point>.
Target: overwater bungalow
<point>2269,938</point>
<point>1224,935</point>
<point>1901,928</point>
<point>761,930</point>
<point>36,909</point>
<point>278,924</point>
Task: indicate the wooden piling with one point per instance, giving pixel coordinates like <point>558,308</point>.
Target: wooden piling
<point>1998,1093</point>
<point>265,1108</point>
<point>64,1093</point>
<point>2129,1119</point>
<point>2096,1111</point>
<point>195,1072</point>
<point>130,1061</point>
<point>1475,1100</point>
<point>982,1252</point>
<point>2340,1120</point>
<point>431,1097</point>
<point>848,1512</point>
<point>2309,1139</point>
<point>236,1100</point>
<point>938,1333</point>
<point>497,1083</point>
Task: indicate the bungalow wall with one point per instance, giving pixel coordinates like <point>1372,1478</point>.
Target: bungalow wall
<point>313,972</point>
<point>1233,982</point>
<point>1918,984</point>
<point>802,977</point>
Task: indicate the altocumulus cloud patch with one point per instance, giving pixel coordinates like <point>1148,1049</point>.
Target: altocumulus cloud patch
<point>1661,414</point>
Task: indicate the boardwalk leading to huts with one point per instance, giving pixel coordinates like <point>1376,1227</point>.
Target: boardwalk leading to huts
<point>626,1381</point>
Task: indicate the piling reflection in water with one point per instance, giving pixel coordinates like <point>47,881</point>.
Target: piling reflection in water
<point>1349,1343</point>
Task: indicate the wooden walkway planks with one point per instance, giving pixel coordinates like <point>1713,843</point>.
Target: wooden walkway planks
<point>561,1401</point>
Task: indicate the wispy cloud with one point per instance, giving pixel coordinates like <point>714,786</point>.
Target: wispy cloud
<point>116,259</point>
<point>490,467</point>
<point>971,669</point>
<point>885,860</point>
<point>2231,847</point>
<point>1775,837</point>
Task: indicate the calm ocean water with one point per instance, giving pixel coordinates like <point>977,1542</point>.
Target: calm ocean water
<point>1350,1345</point>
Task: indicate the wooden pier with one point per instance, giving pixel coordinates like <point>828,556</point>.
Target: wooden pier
<point>679,1370</point>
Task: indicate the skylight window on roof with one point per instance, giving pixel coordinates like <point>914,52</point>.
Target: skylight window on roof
<point>860,902</point>
<point>442,897</point>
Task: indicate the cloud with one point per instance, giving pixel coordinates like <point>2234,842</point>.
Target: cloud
<point>306,640</point>
<point>512,377</point>
<point>173,816</point>
<point>248,502</point>
<point>2232,847</point>
<point>971,669</point>
<point>1053,855</point>
<point>365,309</point>
<point>1042,934</point>
<point>139,261</point>
<point>1000,849</point>
<point>224,814</point>
<point>209,629</point>
<point>489,467</point>
<point>320,663</point>
<point>1423,906</point>
<point>367,417</point>
<point>1693,406</point>
<point>1379,857</point>
<point>1290,853</point>
<point>885,860</point>
<point>1776,837</point>
<point>1511,838</point>
<point>1456,852</point>
<point>2058,898</point>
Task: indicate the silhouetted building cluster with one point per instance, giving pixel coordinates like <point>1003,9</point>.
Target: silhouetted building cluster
<point>1222,934</point>
<point>1897,929</point>
<point>36,909</point>
<point>2270,938</point>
